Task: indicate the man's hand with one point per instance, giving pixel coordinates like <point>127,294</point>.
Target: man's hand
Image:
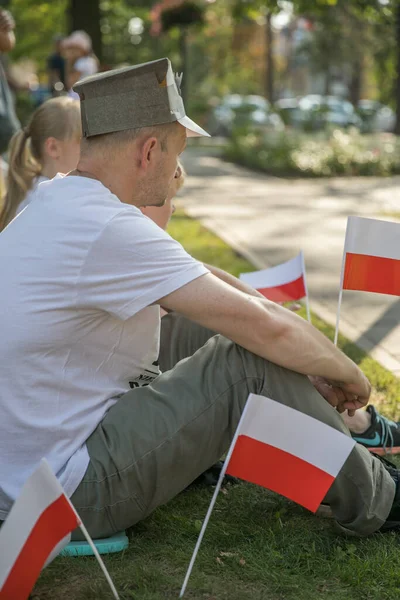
<point>346,396</point>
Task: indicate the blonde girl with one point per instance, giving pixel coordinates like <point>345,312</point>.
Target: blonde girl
<point>48,145</point>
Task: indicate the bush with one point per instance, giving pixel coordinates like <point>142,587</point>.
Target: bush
<point>325,155</point>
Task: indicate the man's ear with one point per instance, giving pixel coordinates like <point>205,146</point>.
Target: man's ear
<point>148,155</point>
<point>52,147</point>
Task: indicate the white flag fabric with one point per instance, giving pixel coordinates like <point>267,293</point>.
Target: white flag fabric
<point>282,283</point>
<point>37,528</point>
<point>372,256</point>
<point>287,451</point>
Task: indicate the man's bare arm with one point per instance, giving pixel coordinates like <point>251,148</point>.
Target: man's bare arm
<point>233,281</point>
<point>270,331</point>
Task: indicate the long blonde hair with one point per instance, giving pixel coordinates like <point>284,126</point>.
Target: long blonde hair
<point>58,118</point>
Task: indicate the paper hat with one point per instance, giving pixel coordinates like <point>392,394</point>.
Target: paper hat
<point>132,97</point>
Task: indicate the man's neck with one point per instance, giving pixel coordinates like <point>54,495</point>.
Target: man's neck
<point>114,186</point>
<point>79,173</point>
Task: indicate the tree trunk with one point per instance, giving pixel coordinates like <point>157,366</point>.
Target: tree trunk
<point>85,14</point>
<point>328,81</point>
<point>356,83</point>
<point>397,88</point>
<point>269,79</point>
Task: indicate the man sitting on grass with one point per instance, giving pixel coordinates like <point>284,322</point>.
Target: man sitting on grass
<point>84,273</point>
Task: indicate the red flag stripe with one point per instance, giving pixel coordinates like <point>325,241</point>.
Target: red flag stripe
<point>56,521</point>
<point>295,290</point>
<point>372,274</point>
<point>279,471</point>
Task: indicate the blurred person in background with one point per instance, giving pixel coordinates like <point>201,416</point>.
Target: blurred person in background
<point>49,145</point>
<point>56,68</point>
<point>9,123</point>
<point>81,61</point>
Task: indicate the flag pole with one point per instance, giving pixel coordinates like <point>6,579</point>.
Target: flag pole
<point>305,287</point>
<point>95,552</point>
<point>341,285</point>
<point>212,503</point>
<point>338,316</point>
<point>99,560</point>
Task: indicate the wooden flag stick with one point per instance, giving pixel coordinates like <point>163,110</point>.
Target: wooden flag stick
<point>99,560</point>
<point>212,503</point>
<point>306,288</point>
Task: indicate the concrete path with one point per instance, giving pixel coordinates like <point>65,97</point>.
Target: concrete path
<point>269,220</point>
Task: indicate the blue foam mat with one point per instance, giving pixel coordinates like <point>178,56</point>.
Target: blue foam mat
<point>115,543</point>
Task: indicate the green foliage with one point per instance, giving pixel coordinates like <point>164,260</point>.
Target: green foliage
<point>222,55</point>
<point>338,153</point>
<point>36,25</point>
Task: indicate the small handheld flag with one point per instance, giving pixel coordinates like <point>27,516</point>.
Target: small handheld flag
<point>282,458</point>
<point>36,530</point>
<point>283,283</point>
<point>371,259</point>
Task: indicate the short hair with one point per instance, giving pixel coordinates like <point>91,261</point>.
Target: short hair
<point>106,142</point>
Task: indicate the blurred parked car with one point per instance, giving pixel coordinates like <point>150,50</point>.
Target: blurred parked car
<point>376,116</point>
<point>315,112</point>
<point>287,108</point>
<point>242,111</point>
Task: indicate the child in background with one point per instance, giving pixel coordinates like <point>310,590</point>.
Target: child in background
<point>50,144</point>
<point>81,60</point>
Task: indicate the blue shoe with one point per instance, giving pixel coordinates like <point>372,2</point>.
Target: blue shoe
<point>382,436</point>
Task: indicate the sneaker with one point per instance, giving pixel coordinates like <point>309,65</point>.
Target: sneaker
<point>211,476</point>
<point>382,436</point>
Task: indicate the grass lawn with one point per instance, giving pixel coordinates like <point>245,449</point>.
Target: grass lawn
<point>258,546</point>
<point>396,215</point>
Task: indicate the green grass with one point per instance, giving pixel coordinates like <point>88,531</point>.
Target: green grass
<point>396,215</point>
<point>205,246</point>
<point>258,546</point>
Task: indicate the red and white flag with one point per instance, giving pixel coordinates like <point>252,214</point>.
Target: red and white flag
<point>287,451</point>
<point>282,283</point>
<point>371,259</point>
<point>36,530</point>
<point>372,256</point>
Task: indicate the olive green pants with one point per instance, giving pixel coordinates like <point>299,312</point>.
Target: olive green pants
<point>157,439</point>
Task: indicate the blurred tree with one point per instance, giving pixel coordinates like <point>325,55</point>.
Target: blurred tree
<point>232,50</point>
<point>180,15</point>
<point>374,27</point>
<point>261,11</point>
<point>36,25</point>
<point>86,15</point>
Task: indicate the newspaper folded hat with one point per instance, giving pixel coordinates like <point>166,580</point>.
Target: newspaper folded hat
<point>133,97</point>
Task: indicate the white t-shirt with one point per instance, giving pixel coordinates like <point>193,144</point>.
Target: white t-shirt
<point>79,271</point>
<point>30,193</point>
